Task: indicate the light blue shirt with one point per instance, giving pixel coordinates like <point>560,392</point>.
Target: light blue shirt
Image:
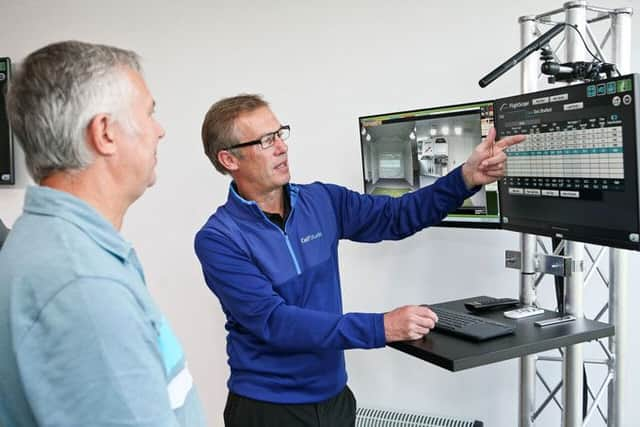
<point>81,341</point>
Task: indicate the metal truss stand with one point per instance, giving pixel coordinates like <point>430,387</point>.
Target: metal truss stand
<point>534,264</point>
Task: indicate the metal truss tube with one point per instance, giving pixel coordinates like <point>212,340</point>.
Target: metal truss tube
<point>621,45</point>
<point>576,15</point>
<point>552,394</point>
<point>597,398</point>
<point>527,363</point>
<point>603,10</point>
<point>573,358</point>
<point>608,352</point>
<point>529,66</point>
<point>573,383</point>
<point>541,245</point>
<point>592,38</point>
<point>527,390</point>
<point>618,258</point>
<point>605,38</point>
<point>594,264</point>
<point>602,311</point>
<point>597,18</point>
<point>559,359</point>
<point>537,281</point>
<point>550,13</point>
<point>527,395</point>
<point>618,281</point>
<point>604,418</point>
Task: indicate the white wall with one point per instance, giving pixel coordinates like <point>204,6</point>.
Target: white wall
<point>321,65</point>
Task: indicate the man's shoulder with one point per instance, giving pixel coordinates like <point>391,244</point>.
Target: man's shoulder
<point>316,188</point>
<point>322,194</point>
<point>45,253</point>
<point>218,228</point>
<point>217,221</point>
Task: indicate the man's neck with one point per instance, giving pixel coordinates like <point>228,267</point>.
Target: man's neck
<point>271,202</point>
<point>94,192</point>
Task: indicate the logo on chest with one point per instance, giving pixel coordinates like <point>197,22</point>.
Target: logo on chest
<point>310,237</point>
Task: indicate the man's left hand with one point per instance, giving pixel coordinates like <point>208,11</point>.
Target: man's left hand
<point>487,162</point>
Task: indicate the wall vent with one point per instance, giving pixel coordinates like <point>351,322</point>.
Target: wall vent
<point>367,417</point>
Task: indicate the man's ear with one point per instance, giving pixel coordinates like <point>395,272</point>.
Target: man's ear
<point>228,160</point>
<point>101,135</point>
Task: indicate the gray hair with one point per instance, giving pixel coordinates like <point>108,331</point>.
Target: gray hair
<point>56,93</point>
<point>218,128</point>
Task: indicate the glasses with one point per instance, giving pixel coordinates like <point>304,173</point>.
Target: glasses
<point>267,139</point>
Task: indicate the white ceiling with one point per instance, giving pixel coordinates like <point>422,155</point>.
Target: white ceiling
<point>470,124</point>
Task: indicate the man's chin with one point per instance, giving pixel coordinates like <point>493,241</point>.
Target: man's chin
<point>286,174</point>
<point>285,180</point>
<point>152,181</point>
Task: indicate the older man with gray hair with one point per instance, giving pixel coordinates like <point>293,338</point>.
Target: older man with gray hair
<point>81,341</point>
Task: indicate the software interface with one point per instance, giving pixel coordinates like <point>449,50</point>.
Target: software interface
<point>6,147</point>
<point>575,176</point>
<point>405,151</point>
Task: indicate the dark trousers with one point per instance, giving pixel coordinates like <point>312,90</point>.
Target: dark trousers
<point>338,411</point>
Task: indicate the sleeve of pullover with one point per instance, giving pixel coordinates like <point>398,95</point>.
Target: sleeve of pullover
<point>369,218</point>
<point>249,300</point>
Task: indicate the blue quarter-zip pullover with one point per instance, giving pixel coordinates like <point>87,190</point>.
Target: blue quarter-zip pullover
<point>280,290</point>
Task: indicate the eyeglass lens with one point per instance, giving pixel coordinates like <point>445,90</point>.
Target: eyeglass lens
<point>268,140</point>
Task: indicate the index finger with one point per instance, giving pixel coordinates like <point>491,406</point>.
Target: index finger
<point>508,141</point>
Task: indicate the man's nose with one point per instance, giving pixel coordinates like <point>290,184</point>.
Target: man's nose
<point>280,145</point>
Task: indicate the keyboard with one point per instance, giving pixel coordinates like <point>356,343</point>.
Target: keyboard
<point>468,326</point>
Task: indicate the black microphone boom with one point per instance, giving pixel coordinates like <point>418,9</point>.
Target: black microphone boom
<point>522,54</point>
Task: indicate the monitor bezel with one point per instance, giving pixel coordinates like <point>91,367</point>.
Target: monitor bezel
<point>12,165</point>
<point>603,236</point>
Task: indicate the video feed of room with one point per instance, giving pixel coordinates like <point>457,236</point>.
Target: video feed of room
<point>404,155</point>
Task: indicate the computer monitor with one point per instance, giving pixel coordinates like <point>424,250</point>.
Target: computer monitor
<point>404,151</point>
<point>576,175</point>
<point>7,175</point>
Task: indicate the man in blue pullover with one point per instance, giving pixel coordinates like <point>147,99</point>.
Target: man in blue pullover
<point>270,254</point>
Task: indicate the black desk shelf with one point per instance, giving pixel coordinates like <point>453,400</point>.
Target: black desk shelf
<point>456,354</point>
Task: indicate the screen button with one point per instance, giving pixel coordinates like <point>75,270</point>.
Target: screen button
<point>570,194</point>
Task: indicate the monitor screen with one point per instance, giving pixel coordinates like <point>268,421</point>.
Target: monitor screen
<point>576,175</point>
<point>6,142</point>
<point>405,151</point>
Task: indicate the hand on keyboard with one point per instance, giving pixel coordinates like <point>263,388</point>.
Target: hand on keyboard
<point>410,322</point>
<point>469,326</point>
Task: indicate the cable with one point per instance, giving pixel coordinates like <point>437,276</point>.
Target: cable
<point>586,46</point>
<point>597,62</point>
